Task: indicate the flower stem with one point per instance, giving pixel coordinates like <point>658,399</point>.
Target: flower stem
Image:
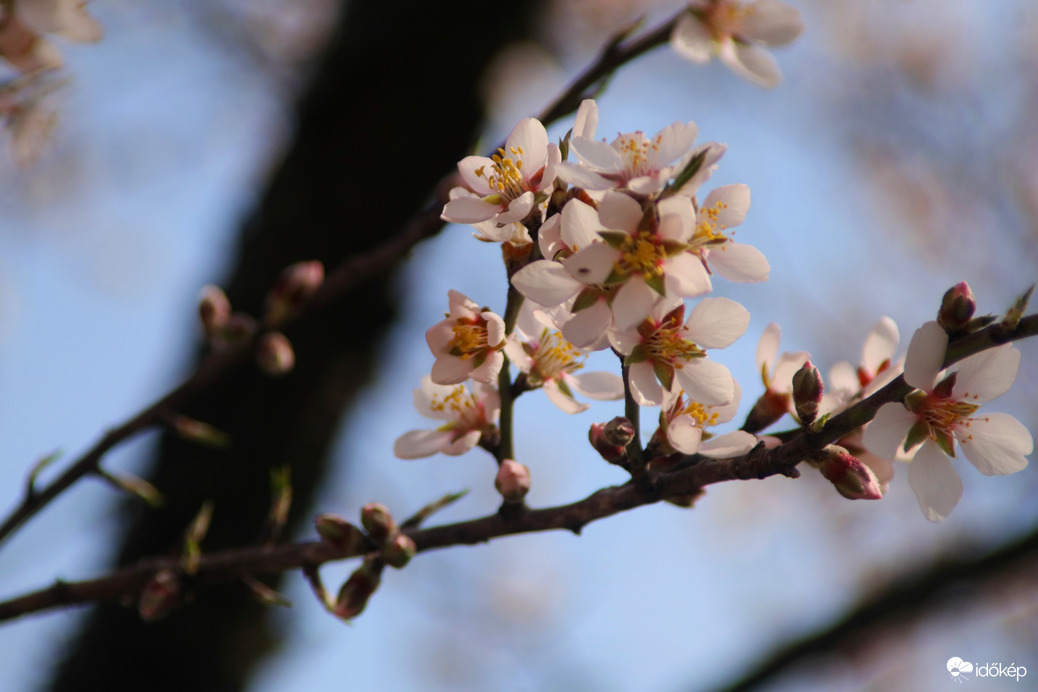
<point>505,448</point>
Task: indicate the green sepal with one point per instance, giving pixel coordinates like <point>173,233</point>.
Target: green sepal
<point>664,372</point>
<point>655,282</point>
<point>615,278</point>
<point>585,299</point>
<point>674,247</point>
<point>639,354</point>
<point>945,441</point>
<point>916,434</point>
<point>615,239</point>
<point>688,171</point>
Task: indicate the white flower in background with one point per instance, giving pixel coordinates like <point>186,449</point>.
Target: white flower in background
<point>662,353</point>
<point>942,411</point>
<point>505,187</point>
<point>66,18</point>
<point>633,160</point>
<point>467,344</point>
<point>686,424</point>
<point>467,416</point>
<point>848,382</point>
<point>722,210</point>
<point>738,33</point>
<point>776,369</point>
<point>27,112</point>
<point>551,362</point>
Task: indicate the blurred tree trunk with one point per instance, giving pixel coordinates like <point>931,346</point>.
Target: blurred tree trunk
<point>391,107</point>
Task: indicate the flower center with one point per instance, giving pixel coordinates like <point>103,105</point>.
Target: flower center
<point>469,340</point>
<point>634,149</point>
<point>553,356</point>
<point>700,414</point>
<point>724,19</point>
<point>708,229</point>
<point>506,173</point>
<point>665,344</point>
<point>642,254</point>
<point>462,405</point>
<point>944,415</point>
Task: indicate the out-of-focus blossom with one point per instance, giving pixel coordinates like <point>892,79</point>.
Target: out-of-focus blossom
<point>738,33</point>
<point>466,415</point>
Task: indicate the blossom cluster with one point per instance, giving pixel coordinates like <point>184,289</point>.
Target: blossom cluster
<point>613,244</point>
<point>24,26</point>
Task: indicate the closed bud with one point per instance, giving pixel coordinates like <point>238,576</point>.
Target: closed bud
<point>611,439</point>
<point>957,307</point>
<point>202,433</point>
<point>377,522</point>
<point>354,595</point>
<point>807,392</point>
<point>398,550</point>
<point>512,481</point>
<point>767,410</point>
<point>340,533</point>
<point>274,354</point>
<point>159,596</point>
<point>213,309</point>
<point>851,478</point>
<point>296,284</point>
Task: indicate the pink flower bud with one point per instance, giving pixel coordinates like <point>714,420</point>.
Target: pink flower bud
<point>338,532</point>
<point>213,309</point>
<point>807,392</point>
<point>398,550</point>
<point>851,478</point>
<point>354,594</point>
<point>274,354</point>
<point>296,284</point>
<point>160,596</point>
<point>377,521</point>
<point>513,481</point>
<point>957,307</point>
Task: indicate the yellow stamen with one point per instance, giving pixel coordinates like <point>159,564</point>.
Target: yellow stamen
<point>642,254</point>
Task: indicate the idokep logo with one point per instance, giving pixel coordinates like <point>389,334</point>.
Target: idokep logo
<point>959,669</point>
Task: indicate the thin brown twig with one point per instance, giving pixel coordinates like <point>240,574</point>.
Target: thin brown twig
<point>681,481</point>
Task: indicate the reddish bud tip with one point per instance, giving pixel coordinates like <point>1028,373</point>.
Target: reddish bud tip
<point>807,392</point>
<point>512,481</point>
<point>213,309</point>
<point>957,307</point>
<point>160,596</point>
<point>354,595</point>
<point>611,439</point>
<point>338,532</point>
<point>399,550</point>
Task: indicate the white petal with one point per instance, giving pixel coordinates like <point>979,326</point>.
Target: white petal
<point>986,375</point>
<point>768,347</point>
<point>565,403</point>
<point>599,156</point>
<point>468,167</point>
<point>530,136</point>
<point>692,40</point>
<point>997,444</point>
<point>686,276</point>
<point>935,481</point>
<point>888,430</point>
<point>417,444</point>
<point>588,325</point>
<point>880,344</point>
<point>488,371</point>
<point>674,141</point>
<point>450,370</point>
<point>844,377</point>
<point>586,120</point>
<point>592,264</point>
<point>731,203</point>
<point>517,355</point>
<point>469,210</point>
<point>732,444</point>
<point>604,386</point>
<point>546,282</point>
<point>740,263</point>
<point>580,225</point>
<point>925,356</point>
<point>684,435</point>
<point>581,176</point>
<point>645,388</point>
<point>632,303</point>
<point>771,22</point>
<point>518,209</point>
<point>706,381</point>
<point>717,322</point>
<point>751,62</point>
<point>463,443</point>
<point>785,367</point>
<point>495,328</point>
<point>620,212</point>
<point>549,238</point>
<point>677,218</point>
